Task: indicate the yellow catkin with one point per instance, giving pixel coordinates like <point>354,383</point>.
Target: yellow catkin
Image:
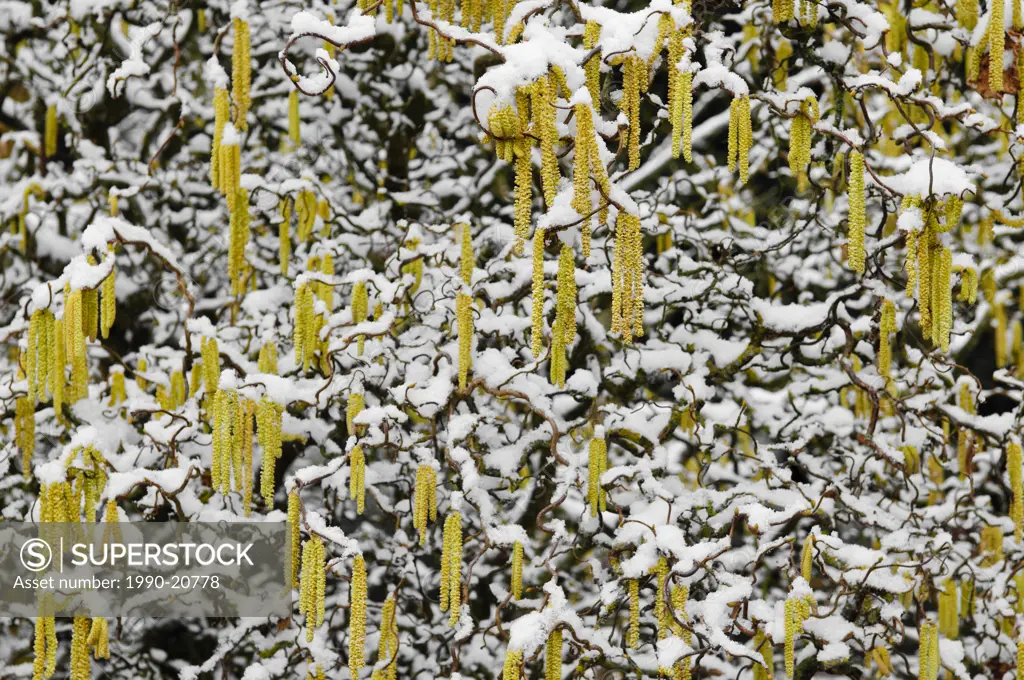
<point>857,217</point>
<point>1017,349</point>
<point>523,189</point>
<point>627,278</point>
<point>108,305</point>
<point>302,336</point>
<point>90,309</point>
<point>740,136</point>
<point>537,315</point>
<point>99,638</point>
<point>591,34</point>
<point>965,436</point>
<point>464,307</point>
<point>566,293</point>
<point>195,379</point>
<point>808,13</point>
<point>223,440</point>
<point>800,140</point>
<point>943,308</point>
<point>598,464</point>
<point>553,656</point>
<point>783,61</point>
<point>793,627</point>
<point>177,389</point>
<point>81,662</point>
<point>357,617</point>
<point>949,620</point>
<point>633,632</point>
<point>387,646</point>
<point>991,545</point>
<point>686,93</point>
<point>324,291</point>
<point>210,353</point>
<point>141,367</point>
<point>221,114</point>
<point>44,648</point>
<point>31,357</point>
<point>763,646</point>
<point>464,317</point>
<point>451,566</point>
<point>967,13</point>
<point>424,500</point>
<point>782,10</point>
<point>678,598</point>
<point>928,651</point>
<point>50,132</point>
<point>25,432</point>
<point>807,558</point>
<point>229,167</point>
<point>880,657</point>
<point>581,169</point>
<point>634,82</point>
<point>241,73</point>
<point>563,331</point>
<point>357,478</point>
<point>238,239</point>
<point>925,262</point>
<point>74,343</point>
<point>268,432</point>
<point>360,308</point>
<point>542,106</point>
<point>517,570</point>
<point>513,665</point>
<point>44,355</point>
<point>969,285</point>
<point>1014,463</point>
<point>996,45</point>
<point>311,585</point>
<point>675,90</point>
<point>244,469</point>
<point>110,517</point>
<point>790,630</point>
<point>356,404</point>
<point>306,214</point>
<point>1002,354</point>
<point>886,327</point>
<point>241,449</point>
<point>662,615</point>
<point>267,362</point>
<point>40,354</point>
<point>291,567</point>
<point>284,235</point>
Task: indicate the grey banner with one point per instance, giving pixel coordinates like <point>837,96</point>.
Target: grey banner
<point>158,569</point>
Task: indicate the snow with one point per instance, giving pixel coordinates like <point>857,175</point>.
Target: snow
<point>111,229</point>
<point>215,74</point>
<point>931,177</point>
<point>834,52</point>
<point>358,27</point>
<point>135,65</point>
<point>319,526</point>
<point>732,427</point>
<point>791,318</point>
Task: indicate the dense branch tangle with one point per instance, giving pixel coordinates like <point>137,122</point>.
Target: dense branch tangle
<point>759,443</point>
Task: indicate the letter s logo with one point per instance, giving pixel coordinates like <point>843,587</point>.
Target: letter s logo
<point>36,554</point>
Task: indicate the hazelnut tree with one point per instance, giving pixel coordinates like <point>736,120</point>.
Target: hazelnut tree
<point>630,338</point>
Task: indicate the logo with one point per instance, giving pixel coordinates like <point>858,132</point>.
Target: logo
<point>36,554</point>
